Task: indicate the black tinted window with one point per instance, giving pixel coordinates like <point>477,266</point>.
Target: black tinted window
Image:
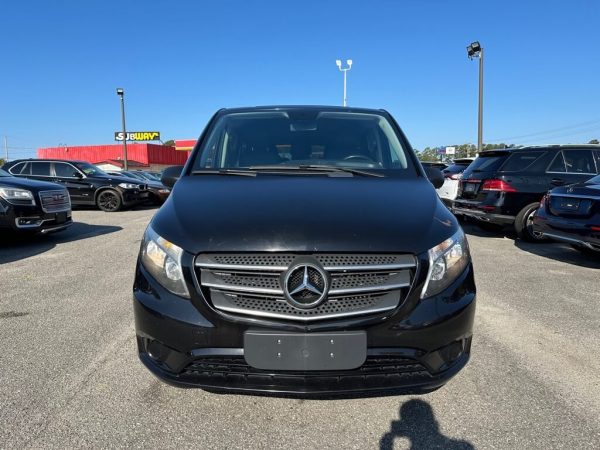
<point>557,164</point>
<point>579,161</point>
<point>485,163</point>
<point>64,170</point>
<point>17,168</point>
<point>456,168</point>
<point>520,161</point>
<point>40,168</point>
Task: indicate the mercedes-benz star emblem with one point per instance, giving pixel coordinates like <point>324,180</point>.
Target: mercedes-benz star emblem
<point>305,285</point>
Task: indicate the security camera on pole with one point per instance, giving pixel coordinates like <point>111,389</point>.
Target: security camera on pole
<point>338,62</point>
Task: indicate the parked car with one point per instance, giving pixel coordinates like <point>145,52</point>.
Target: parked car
<point>157,192</point>
<point>452,175</point>
<point>151,176</point>
<point>571,214</point>
<point>436,164</point>
<point>33,206</point>
<point>86,183</point>
<point>306,253</point>
<point>505,187</point>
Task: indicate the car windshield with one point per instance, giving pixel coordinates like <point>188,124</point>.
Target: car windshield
<point>293,138</point>
<point>4,173</point>
<point>89,169</point>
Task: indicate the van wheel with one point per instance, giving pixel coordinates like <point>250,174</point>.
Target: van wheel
<point>524,224</point>
<point>109,201</point>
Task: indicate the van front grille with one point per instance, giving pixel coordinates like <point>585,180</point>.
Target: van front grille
<point>252,284</point>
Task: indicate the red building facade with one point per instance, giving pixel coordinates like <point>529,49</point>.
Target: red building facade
<point>142,156</point>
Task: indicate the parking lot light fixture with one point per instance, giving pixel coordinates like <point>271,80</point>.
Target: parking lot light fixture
<point>121,93</point>
<point>338,63</point>
<point>475,50</point>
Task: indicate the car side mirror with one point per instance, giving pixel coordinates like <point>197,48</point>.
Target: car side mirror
<point>78,175</point>
<point>170,175</point>
<point>435,176</point>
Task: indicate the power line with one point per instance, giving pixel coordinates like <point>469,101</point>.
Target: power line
<point>555,130</point>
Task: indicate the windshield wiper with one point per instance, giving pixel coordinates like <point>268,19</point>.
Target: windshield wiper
<point>318,168</point>
<point>237,172</point>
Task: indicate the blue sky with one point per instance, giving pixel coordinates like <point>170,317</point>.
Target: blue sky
<point>179,61</point>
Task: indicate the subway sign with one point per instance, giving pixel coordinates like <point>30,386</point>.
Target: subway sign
<point>138,136</point>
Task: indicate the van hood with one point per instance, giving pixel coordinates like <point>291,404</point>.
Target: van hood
<point>212,213</point>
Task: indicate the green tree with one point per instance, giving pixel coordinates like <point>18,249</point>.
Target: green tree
<point>594,141</point>
<point>1,162</point>
<point>170,142</point>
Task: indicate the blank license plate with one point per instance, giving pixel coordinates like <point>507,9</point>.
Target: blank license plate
<point>305,351</point>
<point>470,187</point>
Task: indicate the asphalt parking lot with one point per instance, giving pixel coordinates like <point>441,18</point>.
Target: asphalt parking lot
<point>70,377</point>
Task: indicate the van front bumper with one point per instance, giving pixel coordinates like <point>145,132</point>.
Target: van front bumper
<point>414,353</point>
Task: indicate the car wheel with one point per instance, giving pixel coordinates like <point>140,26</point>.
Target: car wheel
<point>524,224</point>
<point>109,201</point>
<point>586,250</point>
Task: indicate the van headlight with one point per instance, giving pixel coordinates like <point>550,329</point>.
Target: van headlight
<point>163,260</point>
<point>447,261</point>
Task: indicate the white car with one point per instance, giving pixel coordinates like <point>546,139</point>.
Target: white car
<point>452,174</point>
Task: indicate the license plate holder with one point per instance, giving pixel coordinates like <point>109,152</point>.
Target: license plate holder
<point>305,351</point>
<point>61,217</point>
<point>470,187</point>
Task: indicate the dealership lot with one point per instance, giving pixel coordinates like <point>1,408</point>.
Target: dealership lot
<point>69,374</point>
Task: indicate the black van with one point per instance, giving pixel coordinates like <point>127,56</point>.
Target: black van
<point>86,183</point>
<point>304,250</point>
<point>505,187</point>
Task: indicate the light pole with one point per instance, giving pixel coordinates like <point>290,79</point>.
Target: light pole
<point>475,50</point>
<point>338,63</point>
<point>121,94</point>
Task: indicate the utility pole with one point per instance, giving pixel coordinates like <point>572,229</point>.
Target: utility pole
<point>121,94</point>
<point>5,149</point>
<point>475,50</point>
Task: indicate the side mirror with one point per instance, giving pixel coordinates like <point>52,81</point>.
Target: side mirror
<point>170,175</point>
<point>436,177</point>
<point>77,175</point>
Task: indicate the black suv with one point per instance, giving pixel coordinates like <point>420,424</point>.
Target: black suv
<point>505,187</point>
<point>33,206</point>
<point>86,183</point>
<point>304,250</point>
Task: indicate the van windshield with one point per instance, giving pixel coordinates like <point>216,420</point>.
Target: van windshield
<point>303,138</point>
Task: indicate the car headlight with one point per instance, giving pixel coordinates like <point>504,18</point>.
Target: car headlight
<point>163,260</point>
<point>446,262</point>
<point>128,185</point>
<point>14,194</point>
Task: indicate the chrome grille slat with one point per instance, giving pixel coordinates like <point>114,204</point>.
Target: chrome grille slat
<point>251,284</point>
<point>57,200</point>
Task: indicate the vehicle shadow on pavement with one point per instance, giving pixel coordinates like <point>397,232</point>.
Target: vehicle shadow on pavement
<point>417,424</point>
<point>560,252</point>
<point>14,247</point>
